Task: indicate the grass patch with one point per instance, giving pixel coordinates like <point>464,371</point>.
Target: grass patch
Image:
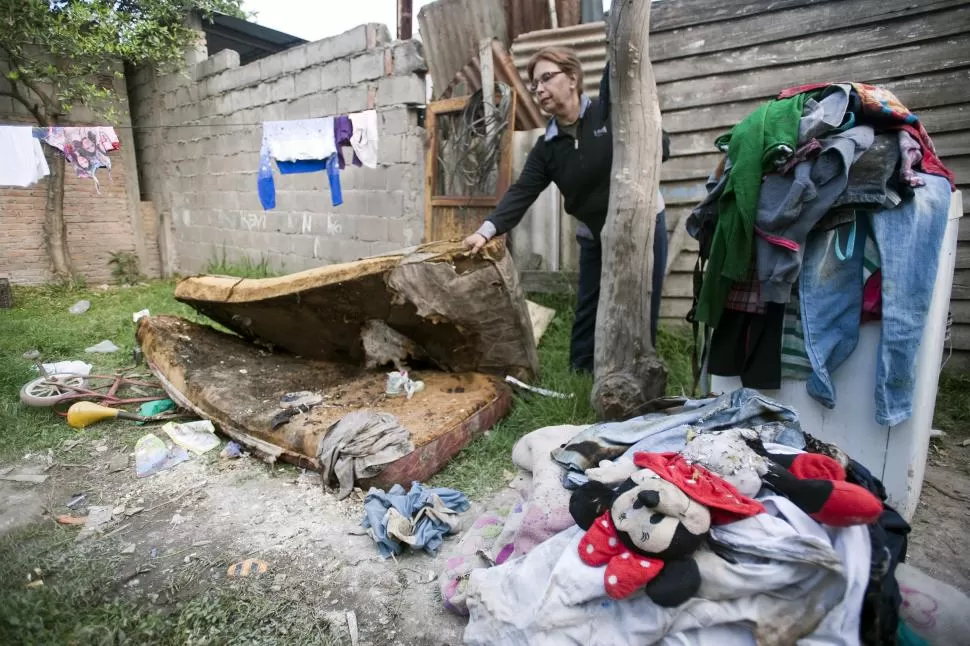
<point>81,602</point>
<point>482,466</point>
<point>40,321</point>
<point>220,264</point>
<point>952,405</point>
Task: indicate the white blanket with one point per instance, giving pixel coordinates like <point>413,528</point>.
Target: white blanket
<point>778,576</point>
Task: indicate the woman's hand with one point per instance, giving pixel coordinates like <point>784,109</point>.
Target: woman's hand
<point>475,242</point>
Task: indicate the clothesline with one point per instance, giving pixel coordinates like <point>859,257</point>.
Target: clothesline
<point>134,127</point>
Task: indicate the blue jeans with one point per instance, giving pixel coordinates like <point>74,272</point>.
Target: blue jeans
<point>909,238</point>
<point>582,345</point>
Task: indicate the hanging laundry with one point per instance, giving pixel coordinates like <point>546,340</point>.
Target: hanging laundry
<point>300,146</point>
<point>343,132</point>
<point>22,161</point>
<point>764,140</point>
<point>85,148</point>
<point>364,139</point>
<point>299,139</point>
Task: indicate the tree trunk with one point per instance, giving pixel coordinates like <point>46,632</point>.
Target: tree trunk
<point>55,230</point>
<point>628,372</point>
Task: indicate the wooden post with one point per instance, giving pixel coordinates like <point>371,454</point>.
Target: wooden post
<point>404,19</point>
<point>628,372</point>
<point>486,63</point>
<point>553,15</point>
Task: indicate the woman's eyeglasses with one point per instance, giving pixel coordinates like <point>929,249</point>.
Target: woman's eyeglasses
<point>542,80</point>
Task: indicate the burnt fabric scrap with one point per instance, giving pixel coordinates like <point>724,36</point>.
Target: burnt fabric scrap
<point>359,446</point>
<point>420,517</point>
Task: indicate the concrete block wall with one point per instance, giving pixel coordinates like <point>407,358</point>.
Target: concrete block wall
<point>98,223</point>
<point>199,138</point>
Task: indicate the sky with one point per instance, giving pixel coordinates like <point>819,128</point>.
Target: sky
<point>316,19</point>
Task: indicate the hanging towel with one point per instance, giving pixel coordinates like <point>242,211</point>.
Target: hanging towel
<point>364,139</point>
<point>85,148</point>
<point>299,140</point>
<point>22,161</point>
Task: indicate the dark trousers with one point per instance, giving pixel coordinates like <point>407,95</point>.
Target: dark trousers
<point>583,343</point>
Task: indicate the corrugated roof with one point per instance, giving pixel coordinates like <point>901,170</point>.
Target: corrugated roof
<point>250,40</point>
<point>588,41</point>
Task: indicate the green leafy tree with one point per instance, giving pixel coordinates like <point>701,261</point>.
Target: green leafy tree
<point>55,54</point>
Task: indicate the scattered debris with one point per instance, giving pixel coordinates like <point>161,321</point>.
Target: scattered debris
<point>118,463</point>
<point>278,582</point>
<point>101,448</point>
<point>539,391</point>
<point>75,500</point>
<point>128,549</point>
<point>935,433</point>
<point>248,567</point>
<point>177,519</point>
<point>965,443</point>
<point>36,584</point>
<point>70,444</point>
<point>399,383</point>
<point>153,455</point>
<point>105,347</point>
<point>352,627</point>
<point>82,414</point>
<point>117,511</point>
<point>154,553</point>
<point>30,355</point>
<point>154,408</point>
<point>541,317</point>
<point>67,519</point>
<point>136,316</point>
<point>198,437</point>
<point>27,477</point>
<point>131,511</point>
<point>80,307</point>
<point>67,368</point>
<point>231,451</point>
<point>97,518</point>
<point>300,399</point>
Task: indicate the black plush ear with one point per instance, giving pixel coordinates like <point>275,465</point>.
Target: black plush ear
<point>678,581</point>
<point>589,502</point>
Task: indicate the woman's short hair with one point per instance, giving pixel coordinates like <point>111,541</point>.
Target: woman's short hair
<point>564,58</point>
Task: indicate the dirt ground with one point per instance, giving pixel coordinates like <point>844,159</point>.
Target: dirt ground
<point>183,527</point>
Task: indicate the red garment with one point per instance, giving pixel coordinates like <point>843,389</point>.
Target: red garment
<point>872,298</point>
<point>725,503</point>
<point>881,105</point>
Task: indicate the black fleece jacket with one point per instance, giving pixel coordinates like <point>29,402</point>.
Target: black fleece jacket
<point>579,167</point>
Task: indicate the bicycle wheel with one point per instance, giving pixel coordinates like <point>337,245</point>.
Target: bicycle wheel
<point>47,391</point>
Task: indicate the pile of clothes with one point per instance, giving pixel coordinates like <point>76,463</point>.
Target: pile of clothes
<point>814,185</point>
<point>712,521</point>
<point>312,145</point>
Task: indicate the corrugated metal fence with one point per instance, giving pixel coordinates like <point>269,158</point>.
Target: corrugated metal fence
<point>716,60</point>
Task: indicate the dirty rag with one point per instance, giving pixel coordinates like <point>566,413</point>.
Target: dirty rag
<point>419,518</point>
<point>538,510</point>
<point>359,446</point>
<point>22,162</point>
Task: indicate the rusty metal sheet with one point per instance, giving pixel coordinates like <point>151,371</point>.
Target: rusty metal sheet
<point>238,386</point>
<point>451,31</point>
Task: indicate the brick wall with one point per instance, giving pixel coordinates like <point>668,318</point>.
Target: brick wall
<point>198,154</point>
<point>97,223</point>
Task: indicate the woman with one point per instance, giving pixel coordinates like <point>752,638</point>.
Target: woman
<point>576,153</point>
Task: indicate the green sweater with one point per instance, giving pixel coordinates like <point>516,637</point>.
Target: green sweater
<point>767,134</point>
